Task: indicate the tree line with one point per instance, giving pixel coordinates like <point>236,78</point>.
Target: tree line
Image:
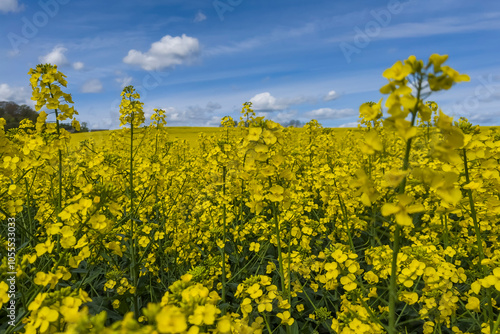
<point>14,114</point>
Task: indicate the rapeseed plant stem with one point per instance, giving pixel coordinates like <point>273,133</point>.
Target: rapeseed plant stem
<point>30,222</point>
<point>346,220</point>
<point>444,223</point>
<point>473,210</point>
<point>59,155</point>
<point>278,241</point>
<point>280,256</point>
<point>267,325</point>
<point>479,240</point>
<point>224,234</point>
<point>131,113</point>
<point>132,222</point>
<point>393,287</point>
<point>289,287</point>
<point>495,327</point>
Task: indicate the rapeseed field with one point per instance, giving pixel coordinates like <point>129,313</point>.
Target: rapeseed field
<point>392,227</point>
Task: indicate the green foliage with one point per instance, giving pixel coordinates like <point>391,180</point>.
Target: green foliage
<point>14,114</point>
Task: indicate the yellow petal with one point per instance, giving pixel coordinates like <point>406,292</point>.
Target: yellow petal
<point>404,219</point>
<point>390,209</point>
<point>415,208</point>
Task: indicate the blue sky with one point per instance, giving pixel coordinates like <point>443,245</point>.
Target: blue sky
<point>202,59</point>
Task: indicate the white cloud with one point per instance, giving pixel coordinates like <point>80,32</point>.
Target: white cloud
<point>214,121</point>
<point>285,117</point>
<point>265,102</point>
<point>92,86</point>
<point>174,115</point>
<point>188,116</point>
<point>56,56</point>
<point>349,125</point>
<point>78,65</point>
<point>20,95</point>
<point>10,6</point>
<point>167,52</point>
<point>200,17</point>
<point>332,95</point>
<point>329,113</point>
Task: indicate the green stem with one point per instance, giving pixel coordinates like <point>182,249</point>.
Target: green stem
<point>346,220</point>
<point>490,309</point>
<point>224,234</point>
<point>132,223</point>
<point>267,325</point>
<point>59,172</point>
<point>289,287</point>
<point>496,325</point>
<point>444,223</point>
<point>473,211</point>
<point>280,257</point>
<point>156,139</point>
<point>59,198</point>
<point>278,240</point>
<point>30,224</point>
<point>393,288</point>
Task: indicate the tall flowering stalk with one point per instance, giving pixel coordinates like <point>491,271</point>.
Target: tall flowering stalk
<point>223,160</point>
<point>158,122</point>
<point>131,113</point>
<point>46,82</point>
<point>410,82</point>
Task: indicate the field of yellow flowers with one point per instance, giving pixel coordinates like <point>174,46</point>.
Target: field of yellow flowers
<point>389,228</point>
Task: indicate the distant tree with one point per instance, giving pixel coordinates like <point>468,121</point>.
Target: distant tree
<point>84,127</point>
<point>69,127</point>
<point>14,113</point>
<point>294,123</point>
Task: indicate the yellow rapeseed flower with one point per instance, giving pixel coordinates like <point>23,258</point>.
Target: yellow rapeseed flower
<point>44,317</point>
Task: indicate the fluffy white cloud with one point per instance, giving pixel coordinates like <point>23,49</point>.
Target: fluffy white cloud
<point>10,6</point>
<point>20,95</point>
<point>266,102</point>
<point>167,52</point>
<point>200,17</point>
<point>329,113</point>
<point>332,95</point>
<point>92,86</point>
<point>78,65</point>
<point>56,56</point>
